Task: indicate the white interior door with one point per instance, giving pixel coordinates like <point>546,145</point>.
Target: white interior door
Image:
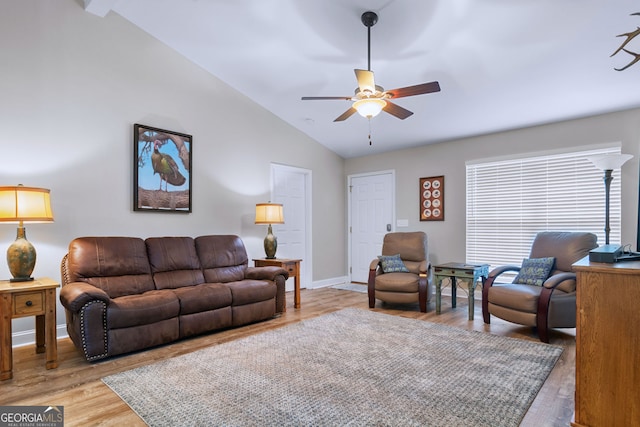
<point>372,214</point>
<point>292,188</point>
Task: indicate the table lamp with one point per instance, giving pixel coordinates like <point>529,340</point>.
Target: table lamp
<point>20,204</point>
<point>607,163</point>
<point>270,213</point>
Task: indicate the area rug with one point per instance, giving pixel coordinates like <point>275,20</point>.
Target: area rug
<point>351,367</point>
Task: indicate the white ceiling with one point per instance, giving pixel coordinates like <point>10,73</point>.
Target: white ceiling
<point>501,64</point>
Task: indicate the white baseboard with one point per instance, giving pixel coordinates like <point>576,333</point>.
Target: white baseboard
<point>342,280</point>
<point>330,282</point>
<point>28,337</point>
<point>23,338</point>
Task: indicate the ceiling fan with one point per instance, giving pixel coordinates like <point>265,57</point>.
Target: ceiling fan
<point>369,98</point>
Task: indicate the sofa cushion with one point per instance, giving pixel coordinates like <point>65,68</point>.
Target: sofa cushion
<point>205,297</point>
<point>412,245</point>
<point>174,262</point>
<point>565,247</point>
<point>223,258</point>
<point>523,298</point>
<point>398,282</point>
<point>149,307</point>
<point>117,265</point>
<point>251,291</point>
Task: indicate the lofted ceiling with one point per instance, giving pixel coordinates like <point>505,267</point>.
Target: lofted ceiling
<point>501,64</point>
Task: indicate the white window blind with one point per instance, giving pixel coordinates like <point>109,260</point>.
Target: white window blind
<point>509,201</point>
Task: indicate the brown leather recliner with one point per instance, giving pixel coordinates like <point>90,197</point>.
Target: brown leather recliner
<point>552,305</point>
<point>403,287</point>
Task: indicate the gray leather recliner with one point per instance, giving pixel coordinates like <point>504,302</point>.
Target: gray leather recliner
<point>552,305</point>
<point>401,287</point>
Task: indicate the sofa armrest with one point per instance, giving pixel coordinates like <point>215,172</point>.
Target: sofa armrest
<point>266,273</point>
<point>75,295</point>
<point>276,274</point>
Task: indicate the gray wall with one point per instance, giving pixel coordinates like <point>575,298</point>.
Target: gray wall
<point>73,84</point>
<point>447,239</point>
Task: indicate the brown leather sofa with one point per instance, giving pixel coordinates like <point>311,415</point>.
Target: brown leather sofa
<point>123,294</point>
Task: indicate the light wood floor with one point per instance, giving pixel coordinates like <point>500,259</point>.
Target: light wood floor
<point>76,384</point>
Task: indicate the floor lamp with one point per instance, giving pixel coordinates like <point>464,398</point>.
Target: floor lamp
<point>607,163</point>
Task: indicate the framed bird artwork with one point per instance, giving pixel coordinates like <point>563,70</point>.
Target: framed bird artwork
<point>162,170</point>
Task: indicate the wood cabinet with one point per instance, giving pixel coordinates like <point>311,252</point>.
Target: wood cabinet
<point>607,344</point>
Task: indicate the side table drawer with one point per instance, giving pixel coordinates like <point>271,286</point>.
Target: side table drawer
<point>28,303</point>
<point>451,272</point>
<point>291,267</point>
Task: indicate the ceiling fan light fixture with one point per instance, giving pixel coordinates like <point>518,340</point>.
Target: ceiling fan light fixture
<point>370,99</point>
<point>369,107</point>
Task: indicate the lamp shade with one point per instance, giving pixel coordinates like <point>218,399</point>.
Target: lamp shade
<point>609,161</point>
<point>269,213</point>
<point>369,107</point>
<point>25,204</point>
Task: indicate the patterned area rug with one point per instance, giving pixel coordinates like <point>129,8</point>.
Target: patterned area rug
<point>351,367</point>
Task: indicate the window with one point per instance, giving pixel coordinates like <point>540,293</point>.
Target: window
<point>509,201</point>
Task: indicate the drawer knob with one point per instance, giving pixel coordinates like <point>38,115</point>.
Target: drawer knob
<point>29,303</point>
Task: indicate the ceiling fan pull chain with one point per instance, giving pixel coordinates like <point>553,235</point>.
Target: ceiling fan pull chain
<point>369,130</point>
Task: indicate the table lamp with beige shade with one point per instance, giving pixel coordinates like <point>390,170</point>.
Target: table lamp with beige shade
<point>20,204</point>
<point>270,213</point>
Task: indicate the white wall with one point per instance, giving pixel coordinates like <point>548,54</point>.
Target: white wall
<point>73,84</point>
<point>447,239</point>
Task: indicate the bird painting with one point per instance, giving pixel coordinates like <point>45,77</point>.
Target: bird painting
<point>166,167</point>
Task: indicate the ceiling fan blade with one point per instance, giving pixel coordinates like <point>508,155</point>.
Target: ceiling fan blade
<point>365,80</point>
<point>396,110</point>
<point>414,90</point>
<point>346,115</point>
<point>312,98</point>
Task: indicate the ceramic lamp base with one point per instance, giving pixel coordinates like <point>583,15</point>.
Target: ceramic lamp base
<point>21,257</point>
<point>270,244</point>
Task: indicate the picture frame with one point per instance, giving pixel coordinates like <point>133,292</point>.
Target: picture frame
<point>162,173</point>
<point>432,198</point>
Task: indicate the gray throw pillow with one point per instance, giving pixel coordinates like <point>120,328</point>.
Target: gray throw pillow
<point>392,264</point>
<point>535,271</point>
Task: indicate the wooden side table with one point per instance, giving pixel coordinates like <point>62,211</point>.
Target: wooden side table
<point>458,271</point>
<point>292,266</point>
<point>20,299</point>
